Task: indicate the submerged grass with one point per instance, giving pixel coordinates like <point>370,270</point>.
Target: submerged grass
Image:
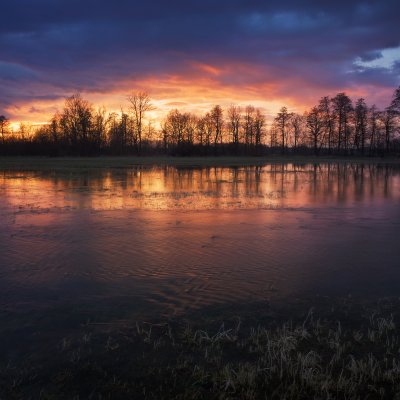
<point>347,352</point>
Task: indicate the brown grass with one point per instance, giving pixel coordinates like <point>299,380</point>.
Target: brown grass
<point>316,357</point>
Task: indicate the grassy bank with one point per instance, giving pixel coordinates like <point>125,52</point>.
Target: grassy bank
<point>63,163</point>
<point>341,350</point>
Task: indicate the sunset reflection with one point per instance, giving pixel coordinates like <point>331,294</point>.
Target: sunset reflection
<point>170,188</point>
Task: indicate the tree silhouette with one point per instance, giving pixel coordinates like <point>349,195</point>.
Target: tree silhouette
<point>374,128</point>
<point>259,122</point>
<point>315,124</point>
<point>328,118</point>
<point>342,108</point>
<point>248,124</point>
<point>3,128</point>
<point>76,122</point>
<point>139,105</point>
<point>282,121</point>
<point>234,118</point>
<point>360,111</point>
<point>332,126</point>
<point>218,123</point>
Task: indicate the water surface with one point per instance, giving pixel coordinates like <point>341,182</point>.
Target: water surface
<point>146,241</point>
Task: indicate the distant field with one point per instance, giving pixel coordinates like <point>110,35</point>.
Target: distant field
<point>37,163</point>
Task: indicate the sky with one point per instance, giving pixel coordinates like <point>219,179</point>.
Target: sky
<point>192,54</point>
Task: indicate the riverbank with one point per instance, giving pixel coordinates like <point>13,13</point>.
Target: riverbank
<point>337,349</point>
<point>66,163</point>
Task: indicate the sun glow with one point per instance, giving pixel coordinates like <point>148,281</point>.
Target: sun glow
<point>196,91</point>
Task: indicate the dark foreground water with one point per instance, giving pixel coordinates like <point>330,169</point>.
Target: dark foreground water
<point>151,242</point>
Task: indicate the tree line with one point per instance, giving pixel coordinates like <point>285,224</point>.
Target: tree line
<point>334,126</point>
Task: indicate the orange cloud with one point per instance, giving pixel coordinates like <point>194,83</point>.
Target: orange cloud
<point>197,90</point>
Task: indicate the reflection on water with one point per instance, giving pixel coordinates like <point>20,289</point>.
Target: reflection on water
<point>174,239</point>
<point>169,188</point>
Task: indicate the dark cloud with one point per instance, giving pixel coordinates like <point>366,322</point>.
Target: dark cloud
<point>15,72</point>
<point>371,56</point>
<point>50,47</point>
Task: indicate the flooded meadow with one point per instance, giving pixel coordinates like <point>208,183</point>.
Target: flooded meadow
<point>110,247</point>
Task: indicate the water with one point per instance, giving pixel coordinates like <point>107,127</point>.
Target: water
<point>146,242</point>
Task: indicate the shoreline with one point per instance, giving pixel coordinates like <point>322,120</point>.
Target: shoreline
<point>105,162</point>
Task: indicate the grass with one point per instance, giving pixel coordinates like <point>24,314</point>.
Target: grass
<point>63,163</point>
<point>342,351</point>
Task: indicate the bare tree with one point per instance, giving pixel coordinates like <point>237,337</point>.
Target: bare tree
<point>315,124</point>
<point>234,117</point>
<point>24,132</point>
<point>360,122</point>
<point>174,126</point>
<point>218,123</point>
<point>328,117</point>
<point>394,110</point>
<point>282,124</point>
<point>201,131</point>
<point>342,107</point>
<point>139,105</point>
<point>76,122</point>
<point>296,123</point>
<point>389,119</point>
<point>259,122</point>
<point>54,128</point>
<point>373,128</point>
<point>395,104</point>
<point>100,124</point>
<point>4,122</point>
<point>273,135</point>
<point>209,127</point>
<point>248,124</point>
<point>179,130</point>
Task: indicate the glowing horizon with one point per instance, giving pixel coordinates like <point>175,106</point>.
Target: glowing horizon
<point>197,99</point>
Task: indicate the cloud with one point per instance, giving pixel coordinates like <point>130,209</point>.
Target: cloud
<point>371,56</point>
<point>280,50</point>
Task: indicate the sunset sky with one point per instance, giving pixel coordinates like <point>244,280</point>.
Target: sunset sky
<point>193,54</point>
